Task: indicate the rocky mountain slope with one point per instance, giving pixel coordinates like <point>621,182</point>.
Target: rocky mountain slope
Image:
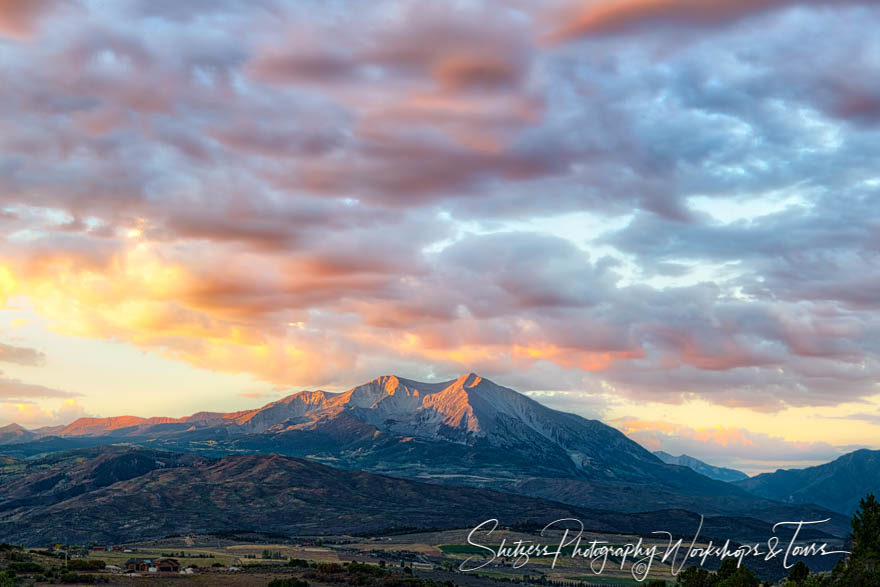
<point>468,431</point>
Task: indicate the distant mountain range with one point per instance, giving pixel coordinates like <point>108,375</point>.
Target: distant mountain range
<point>468,431</point>
<point>837,485</point>
<point>710,471</point>
<point>13,433</point>
<point>124,494</point>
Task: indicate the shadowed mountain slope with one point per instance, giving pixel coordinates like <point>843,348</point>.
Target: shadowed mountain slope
<point>837,485</point>
<point>123,494</point>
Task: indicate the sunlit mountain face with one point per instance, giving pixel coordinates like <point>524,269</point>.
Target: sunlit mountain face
<point>658,214</point>
<point>466,432</point>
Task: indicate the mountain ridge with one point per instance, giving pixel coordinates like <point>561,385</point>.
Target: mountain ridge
<point>711,471</point>
<point>466,431</point>
<point>123,494</point>
<point>837,485</point>
<point>15,433</point>
<point>459,410</point>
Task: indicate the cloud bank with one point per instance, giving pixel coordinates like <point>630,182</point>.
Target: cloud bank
<point>313,195</point>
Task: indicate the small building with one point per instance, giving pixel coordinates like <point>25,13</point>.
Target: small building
<point>99,548</point>
<point>154,565</point>
<point>167,565</point>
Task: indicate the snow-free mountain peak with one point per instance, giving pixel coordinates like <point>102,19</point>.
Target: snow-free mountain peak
<point>467,431</point>
<point>15,433</point>
<point>469,411</point>
<point>12,429</point>
<point>464,409</point>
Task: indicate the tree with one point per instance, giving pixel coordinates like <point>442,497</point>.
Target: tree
<point>695,577</point>
<point>866,528</point>
<point>728,575</point>
<point>742,577</point>
<point>862,568</point>
<point>731,575</point>
<point>728,568</point>
<point>799,572</point>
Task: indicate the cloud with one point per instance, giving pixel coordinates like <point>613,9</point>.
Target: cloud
<point>31,415</point>
<point>598,17</point>
<point>21,355</point>
<point>256,394</point>
<point>19,20</point>
<point>458,94</point>
<point>311,195</point>
<point>724,446</point>
<point>863,417</point>
<point>15,389</point>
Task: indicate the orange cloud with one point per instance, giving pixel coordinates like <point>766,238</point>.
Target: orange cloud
<point>613,16</point>
<point>646,431</point>
<point>142,298</point>
<point>726,446</point>
<point>31,415</point>
<point>570,357</point>
<point>19,18</point>
<point>723,436</point>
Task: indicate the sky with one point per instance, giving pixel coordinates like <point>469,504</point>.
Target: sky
<point>661,213</point>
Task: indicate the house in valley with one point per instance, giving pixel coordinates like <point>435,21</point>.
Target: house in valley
<point>152,565</point>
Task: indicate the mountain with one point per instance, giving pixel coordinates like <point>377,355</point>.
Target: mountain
<point>467,431</point>
<point>467,412</point>
<point>710,471</point>
<point>837,485</point>
<point>13,433</point>
<point>125,494</point>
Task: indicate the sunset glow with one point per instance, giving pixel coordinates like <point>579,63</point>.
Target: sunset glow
<point>654,213</point>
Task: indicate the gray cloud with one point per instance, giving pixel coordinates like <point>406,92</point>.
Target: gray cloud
<point>864,417</point>
<point>21,355</point>
<point>12,390</point>
<point>374,174</point>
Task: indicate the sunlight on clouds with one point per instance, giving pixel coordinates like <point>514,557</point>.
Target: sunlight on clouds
<point>569,357</point>
<point>519,355</point>
<point>7,285</point>
<point>144,300</point>
<point>745,449</point>
<point>741,437</point>
<point>109,373</point>
<point>723,436</point>
<point>796,424</point>
<point>746,208</point>
<point>412,345</point>
<point>33,415</point>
